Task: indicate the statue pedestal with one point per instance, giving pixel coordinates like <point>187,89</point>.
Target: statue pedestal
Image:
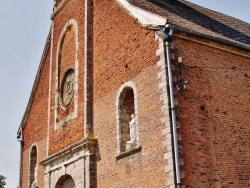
<point>130,145</point>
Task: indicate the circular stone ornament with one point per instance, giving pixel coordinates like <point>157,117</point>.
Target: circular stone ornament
<point>67,87</point>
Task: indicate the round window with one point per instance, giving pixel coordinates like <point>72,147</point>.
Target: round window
<point>67,87</point>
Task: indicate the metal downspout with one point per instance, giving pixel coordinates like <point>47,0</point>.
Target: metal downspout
<point>21,159</point>
<point>172,107</point>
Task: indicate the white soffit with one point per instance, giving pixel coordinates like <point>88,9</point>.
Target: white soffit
<point>144,17</point>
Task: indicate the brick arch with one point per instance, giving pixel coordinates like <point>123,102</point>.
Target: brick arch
<point>126,104</point>
<point>32,163</point>
<point>66,181</point>
<point>71,24</point>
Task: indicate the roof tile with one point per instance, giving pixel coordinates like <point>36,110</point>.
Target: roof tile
<point>199,19</point>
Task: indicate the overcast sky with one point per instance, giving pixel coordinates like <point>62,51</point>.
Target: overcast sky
<point>24,28</point>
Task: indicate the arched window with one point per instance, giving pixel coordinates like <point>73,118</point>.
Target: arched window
<point>65,181</point>
<point>127,118</point>
<point>68,36</point>
<point>33,167</point>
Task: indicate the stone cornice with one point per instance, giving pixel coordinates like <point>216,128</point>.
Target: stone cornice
<point>87,143</point>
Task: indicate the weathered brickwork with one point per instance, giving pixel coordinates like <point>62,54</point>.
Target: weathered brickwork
<point>150,161</point>
<point>124,51</point>
<point>35,131</point>
<point>72,130</point>
<point>214,115</point>
<point>121,49</point>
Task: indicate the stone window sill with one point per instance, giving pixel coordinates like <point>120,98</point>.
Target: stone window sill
<point>128,153</point>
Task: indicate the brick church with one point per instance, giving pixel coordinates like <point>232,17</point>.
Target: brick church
<point>139,94</point>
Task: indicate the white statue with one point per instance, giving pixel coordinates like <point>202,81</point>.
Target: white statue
<point>132,129</point>
<point>34,184</point>
<point>35,175</point>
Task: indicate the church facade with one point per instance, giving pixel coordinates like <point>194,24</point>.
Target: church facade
<point>135,94</point>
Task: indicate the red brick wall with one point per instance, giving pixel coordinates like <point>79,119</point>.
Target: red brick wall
<point>213,109</point>
<point>214,116</point>
<point>124,51</point>
<point>72,130</point>
<point>121,47</point>
<point>35,130</point>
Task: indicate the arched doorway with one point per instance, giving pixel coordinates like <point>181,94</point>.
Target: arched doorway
<point>65,181</point>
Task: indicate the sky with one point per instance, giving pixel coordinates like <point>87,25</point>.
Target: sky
<point>24,28</point>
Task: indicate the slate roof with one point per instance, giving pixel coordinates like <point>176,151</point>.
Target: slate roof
<point>199,19</point>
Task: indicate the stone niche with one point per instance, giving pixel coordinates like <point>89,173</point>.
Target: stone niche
<point>126,110</point>
<point>127,126</point>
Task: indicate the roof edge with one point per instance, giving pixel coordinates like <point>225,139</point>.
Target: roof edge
<point>198,34</point>
<point>35,84</point>
<point>153,21</point>
<point>145,18</point>
<point>211,37</point>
